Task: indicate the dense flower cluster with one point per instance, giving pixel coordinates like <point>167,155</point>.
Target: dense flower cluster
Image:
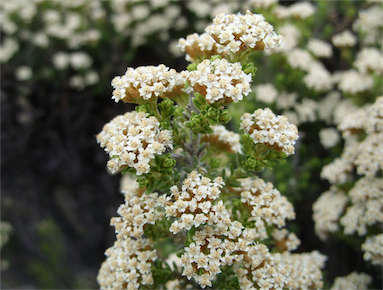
<point>194,204</point>
<point>319,48</point>
<point>220,81</point>
<point>367,206</point>
<point>241,32</point>
<point>353,281</point>
<point>129,260</point>
<point>305,269</point>
<point>266,93</point>
<point>223,139</point>
<point>344,39</point>
<point>266,204</point>
<point>285,240</point>
<point>132,140</point>
<point>373,249</point>
<point>147,82</point>
<point>328,208</point>
<point>200,46</point>
<point>329,137</point>
<point>267,128</point>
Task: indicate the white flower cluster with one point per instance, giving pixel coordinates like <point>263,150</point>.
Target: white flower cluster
<point>318,78</point>
<point>78,60</point>
<point>373,248</point>
<point>222,241</point>
<point>132,140</point>
<point>8,48</point>
<point>147,82</point>
<point>319,48</point>
<point>129,260</point>
<point>370,23</point>
<point>369,59</point>
<point>353,281</point>
<point>327,105</point>
<point>365,155</point>
<point>266,203</point>
<point>291,35</point>
<point>367,206</point>
<point>337,171</point>
<point>198,47</point>
<point>267,128</point>
<point>266,93</point>
<point>220,81</point>
<point>285,240</point>
<point>212,249</point>
<point>300,10</point>
<point>327,210</point>
<point>374,122</point>
<point>299,58</point>
<point>128,265</point>
<point>305,269</point>
<point>286,100</point>
<point>223,139</point>
<point>353,82</point>
<point>241,32</point>
<point>329,137</point>
<point>23,73</point>
<point>344,39</point>
<point>194,204</point>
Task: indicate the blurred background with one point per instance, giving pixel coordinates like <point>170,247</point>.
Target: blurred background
<point>57,61</point>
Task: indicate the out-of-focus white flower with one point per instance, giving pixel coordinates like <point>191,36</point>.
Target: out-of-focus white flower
<point>327,210</point>
<point>299,58</point>
<point>329,137</point>
<point>80,60</point>
<point>8,48</point>
<point>344,39</point>
<point>319,48</point>
<point>40,39</point>
<point>140,12</point>
<point>373,248</point>
<point>91,78</point>
<point>77,82</point>
<point>353,281</point>
<point>306,110</point>
<point>265,93</point>
<point>354,82</point>
<point>369,59</point>
<point>23,73</point>
<point>302,10</point>
<point>61,60</point>
<point>318,78</point>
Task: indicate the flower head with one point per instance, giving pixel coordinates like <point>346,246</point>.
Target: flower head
<point>147,82</point>
<point>265,127</point>
<point>242,32</point>
<point>220,81</point>
<point>132,140</point>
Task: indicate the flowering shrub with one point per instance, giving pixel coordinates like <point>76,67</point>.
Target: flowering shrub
<point>216,214</point>
<point>208,200</point>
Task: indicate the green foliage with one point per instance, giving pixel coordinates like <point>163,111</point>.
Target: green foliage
<point>52,247</point>
<point>159,231</point>
<point>227,279</point>
<point>167,109</point>
<point>161,274</point>
<point>208,115</point>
